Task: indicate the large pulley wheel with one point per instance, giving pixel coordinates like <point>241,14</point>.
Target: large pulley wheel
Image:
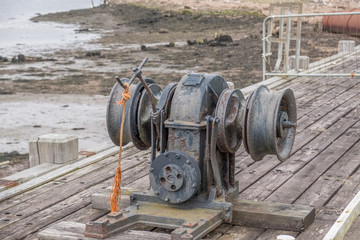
<point>269,124</point>
<point>175,176</point>
<point>229,112</point>
<point>132,128</point>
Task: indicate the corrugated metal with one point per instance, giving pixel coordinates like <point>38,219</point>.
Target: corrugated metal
<point>349,24</point>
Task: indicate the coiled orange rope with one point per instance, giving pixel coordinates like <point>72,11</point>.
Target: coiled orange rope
<point>115,195</point>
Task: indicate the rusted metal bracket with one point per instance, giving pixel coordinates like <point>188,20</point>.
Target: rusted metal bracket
<point>190,220</point>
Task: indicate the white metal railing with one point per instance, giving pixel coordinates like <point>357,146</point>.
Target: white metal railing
<point>268,40</point>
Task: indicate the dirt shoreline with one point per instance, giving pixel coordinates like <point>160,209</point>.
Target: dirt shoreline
<point>131,32</point>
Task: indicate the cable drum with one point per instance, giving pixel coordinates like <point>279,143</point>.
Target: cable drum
<point>269,123</point>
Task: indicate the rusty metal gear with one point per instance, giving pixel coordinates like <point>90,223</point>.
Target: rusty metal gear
<point>229,110</point>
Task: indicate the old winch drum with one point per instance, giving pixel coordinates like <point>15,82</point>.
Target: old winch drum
<point>269,123</point>
<point>137,116</point>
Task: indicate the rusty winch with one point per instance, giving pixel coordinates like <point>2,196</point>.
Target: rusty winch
<point>194,128</point>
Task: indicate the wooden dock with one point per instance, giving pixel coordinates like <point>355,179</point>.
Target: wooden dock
<point>323,170</point>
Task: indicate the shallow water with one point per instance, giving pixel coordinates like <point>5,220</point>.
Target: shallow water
<point>20,35</point>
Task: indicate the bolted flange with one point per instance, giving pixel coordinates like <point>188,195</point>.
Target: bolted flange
<point>176,176</point>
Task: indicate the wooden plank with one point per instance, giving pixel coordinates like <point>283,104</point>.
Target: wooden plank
<point>354,231</point>
<point>218,232</point>
<point>31,173</point>
<point>345,220</point>
<point>56,174</point>
<point>44,188</point>
<point>57,148</point>
<point>336,114</point>
<point>307,175</point>
<point>34,159</point>
<point>62,208</point>
<point>27,209</point>
<point>316,114</point>
<point>330,212</point>
<point>272,234</point>
<point>240,232</point>
<point>332,180</point>
<point>74,231</point>
<point>272,215</point>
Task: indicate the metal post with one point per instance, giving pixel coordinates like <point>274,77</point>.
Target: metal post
<point>298,39</point>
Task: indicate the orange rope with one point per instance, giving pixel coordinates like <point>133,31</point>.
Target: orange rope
<point>115,195</point>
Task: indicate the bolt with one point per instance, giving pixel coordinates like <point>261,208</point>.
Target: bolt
<point>167,199</point>
<point>171,120</point>
<point>178,200</point>
<point>137,206</point>
<point>198,122</point>
<point>193,185</point>
<point>226,208</point>
<point>151,170</point>
<point>177,156</point>
<point>188,162</point>
<point>157,193</point>
<point>132,198</point>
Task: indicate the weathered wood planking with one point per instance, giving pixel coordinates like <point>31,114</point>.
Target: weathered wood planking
<point>332,180</point>
<point>308,174</point>
<point>354,231</point>
<point>74,231</point>
<point>55,174</point>
<point>272,215</point>
<point>345,220</point>
<point>332,210</point>
<point>287,169</point>
<point>90,169</point>
<point>74,195</point>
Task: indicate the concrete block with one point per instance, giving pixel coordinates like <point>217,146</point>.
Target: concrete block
<point>346,46</point>
<point>57,148</point>
<point>303,62</point>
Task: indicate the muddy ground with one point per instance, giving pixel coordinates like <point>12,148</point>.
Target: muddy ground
<point>77,71</point>
<point>131,32</point>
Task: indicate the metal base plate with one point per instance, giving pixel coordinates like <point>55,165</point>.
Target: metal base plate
<point>190,220</point>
